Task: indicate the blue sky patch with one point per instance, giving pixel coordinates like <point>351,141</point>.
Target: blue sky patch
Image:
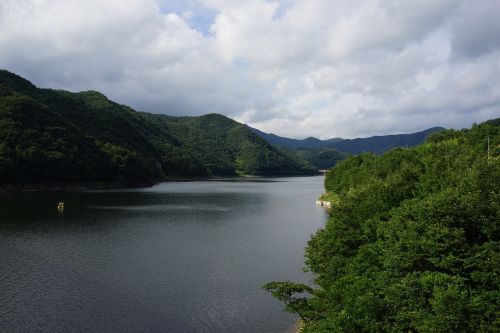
<point>201,19</point>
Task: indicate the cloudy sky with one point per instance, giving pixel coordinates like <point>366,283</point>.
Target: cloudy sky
<point>297,68</point>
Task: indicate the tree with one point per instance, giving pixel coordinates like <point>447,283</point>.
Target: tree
<point>285,291</point>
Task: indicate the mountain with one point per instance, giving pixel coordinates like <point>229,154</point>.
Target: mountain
<point>281,141</point>
<point>381,144</point>
<point>318,158</point>
<point>59,137</point>
<point>374,144</point>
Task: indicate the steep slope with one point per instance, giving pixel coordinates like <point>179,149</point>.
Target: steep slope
<point>36,145</point>
<point>59,137</point>
<point>227,147</point>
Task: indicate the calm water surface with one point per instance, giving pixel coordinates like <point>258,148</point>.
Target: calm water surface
<point>177,257</point>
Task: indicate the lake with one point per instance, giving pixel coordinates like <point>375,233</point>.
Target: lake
<point>176,257</point>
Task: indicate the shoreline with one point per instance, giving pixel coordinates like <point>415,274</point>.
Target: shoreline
<point>297,327</point>
<point>55,187</point>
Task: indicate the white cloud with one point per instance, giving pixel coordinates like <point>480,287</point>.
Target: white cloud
<point>324,68</point>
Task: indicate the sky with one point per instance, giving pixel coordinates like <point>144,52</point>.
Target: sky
<point>296,68</point>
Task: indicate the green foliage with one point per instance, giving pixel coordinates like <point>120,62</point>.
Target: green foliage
<point>412,242</point>
<point>226,147</point>
<point>285,291</point>
<point>36,145</point>
<point>319,158</point>
<point>53,136</point>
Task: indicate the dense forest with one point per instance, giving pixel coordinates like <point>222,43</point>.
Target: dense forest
<point>318,158</point>
<point>412,241</point>
<point>57,137</point>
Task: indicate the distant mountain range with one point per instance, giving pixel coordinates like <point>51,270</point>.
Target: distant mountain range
<point>374,144</point>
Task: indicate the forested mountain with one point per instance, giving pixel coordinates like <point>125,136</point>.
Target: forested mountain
<point>374,144</point>
<point>319,158</point>
<point>58,137</point>
<point>412,242</point>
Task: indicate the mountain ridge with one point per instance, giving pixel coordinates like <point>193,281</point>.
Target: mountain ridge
<point>376,144</point>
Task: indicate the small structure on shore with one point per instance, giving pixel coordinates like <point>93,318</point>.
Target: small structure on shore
<point>322,203</point>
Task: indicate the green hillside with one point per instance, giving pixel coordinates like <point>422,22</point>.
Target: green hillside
<point>412,242</point>
<point>58,137</point>
<point>318,158</point>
